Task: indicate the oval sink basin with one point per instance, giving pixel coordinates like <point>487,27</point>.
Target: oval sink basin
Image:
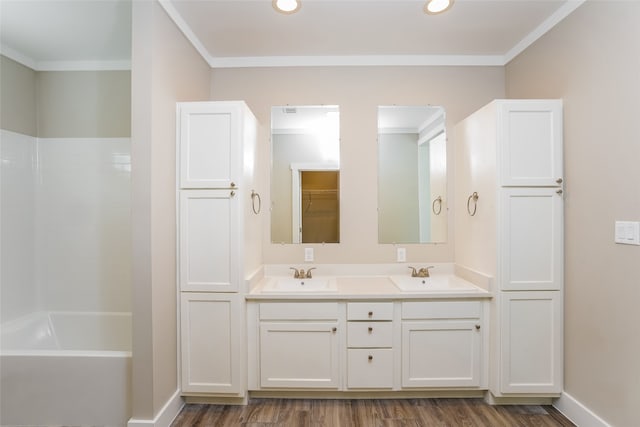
<point>436,283</point>
<point>289,284</point>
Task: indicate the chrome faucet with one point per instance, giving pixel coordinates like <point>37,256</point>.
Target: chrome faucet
<point>423,272</point>
<point>300,274</point>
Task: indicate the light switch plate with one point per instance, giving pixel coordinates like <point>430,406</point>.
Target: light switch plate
<point>627,232</point>
<point>401,254</point>
<point>308,254</point>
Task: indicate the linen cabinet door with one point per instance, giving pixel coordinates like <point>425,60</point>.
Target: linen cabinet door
<point>531,231</point>
<point>210,340</point>
<point>209,145</point>
<point>530,141</point>
<point>208,246</point>
<point>531,351</point>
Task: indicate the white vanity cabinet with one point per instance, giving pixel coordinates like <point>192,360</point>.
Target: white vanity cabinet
<point>215,173</point>
<point>442,344</point>
<point>299,345</point>
<point>509,153</point>
<point>370,353</point>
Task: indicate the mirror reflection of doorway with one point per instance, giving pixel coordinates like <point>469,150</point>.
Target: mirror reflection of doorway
<point>319,197</point>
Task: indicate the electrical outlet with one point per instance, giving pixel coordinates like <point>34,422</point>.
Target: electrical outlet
<point>401,254</point>
<point>308,254</point>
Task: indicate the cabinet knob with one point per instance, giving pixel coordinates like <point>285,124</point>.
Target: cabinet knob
<point>334,329</point>
<point>370,358</point>
<point>233,184</point>
<point>559,180</point>
<point>559,191</point>
<point>233,193</point>
<point>370,313</point>
<point>478,327</point>
<point>370,329</point>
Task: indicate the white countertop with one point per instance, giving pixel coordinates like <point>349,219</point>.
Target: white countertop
<point>373,287</point>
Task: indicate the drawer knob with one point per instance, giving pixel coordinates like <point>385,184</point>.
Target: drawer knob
<point>478,327</point>
<point>370,329</point>
<point>370,358</point>
<point>334,329</point>
<point>370,313</point>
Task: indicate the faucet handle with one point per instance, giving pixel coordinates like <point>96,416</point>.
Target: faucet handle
<point>308,276</point>
<point>424,271</point>
<point>296,274</point>
<point>414,273</point>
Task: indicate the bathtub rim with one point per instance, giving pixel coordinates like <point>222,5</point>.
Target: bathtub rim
<point>46,316</point>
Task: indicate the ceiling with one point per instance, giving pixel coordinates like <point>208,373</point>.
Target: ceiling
<point>50,34</point>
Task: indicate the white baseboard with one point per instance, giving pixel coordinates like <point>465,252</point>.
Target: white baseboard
<point>579,414</point>
<point>166,415</point>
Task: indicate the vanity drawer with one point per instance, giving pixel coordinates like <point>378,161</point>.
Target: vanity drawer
<point>298,311</point>
<point>441,310</point>
<point>369,334</point>
<point>370,368</point>
<point>370,311</point>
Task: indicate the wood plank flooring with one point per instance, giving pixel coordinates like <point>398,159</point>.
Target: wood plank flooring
<point>370,413</point>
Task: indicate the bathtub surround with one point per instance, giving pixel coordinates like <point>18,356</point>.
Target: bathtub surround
<point>66,229</point>
<point>65,224</point>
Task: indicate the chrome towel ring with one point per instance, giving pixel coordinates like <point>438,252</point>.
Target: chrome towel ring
<point>255,196</point>
<point>473,197</point>
<point>437,209</point>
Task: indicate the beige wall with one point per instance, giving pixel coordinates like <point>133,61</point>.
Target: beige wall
<point>592,61</point>
<point>165,69</point>
<point>358,91</point>
<point>18,100</point>
<point>72,104</point>
<point>78,104</point>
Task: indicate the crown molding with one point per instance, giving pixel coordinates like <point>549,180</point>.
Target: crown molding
<point>564,11</point>
<point>63,65</point>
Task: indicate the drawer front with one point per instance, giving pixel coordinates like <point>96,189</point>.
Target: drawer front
<point>370,334</point>
<point>441,310</point>
<point>299,311</point>
<point>370,368</point>
<point>370,311</point>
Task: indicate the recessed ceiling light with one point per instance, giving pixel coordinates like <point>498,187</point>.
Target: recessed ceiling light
<point>286,6</point>
<point>434,7</point>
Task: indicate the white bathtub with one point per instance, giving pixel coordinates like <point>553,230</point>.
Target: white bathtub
<point>66,368</point>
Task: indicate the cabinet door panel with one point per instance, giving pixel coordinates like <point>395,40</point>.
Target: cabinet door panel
<point>208,136</point>
<point>532,342</point>
<point>299,355</point>
<point>440,354</point>
<point>531,235</point>
<point>208,220</point>
<point>210,337</point>
<point>530,138</point>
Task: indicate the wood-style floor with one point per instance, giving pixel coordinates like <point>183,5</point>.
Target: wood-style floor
<point>370,413</point>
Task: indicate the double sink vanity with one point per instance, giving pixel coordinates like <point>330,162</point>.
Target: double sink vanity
<point>377,329</point>
<point>488,323</point>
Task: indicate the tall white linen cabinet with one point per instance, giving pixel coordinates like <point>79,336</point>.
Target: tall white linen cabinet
<point>509,225</point>
<point>218,240</point>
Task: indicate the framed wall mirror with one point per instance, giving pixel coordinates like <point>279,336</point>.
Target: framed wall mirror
<point>412,172</point>
<point>305,174</point>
